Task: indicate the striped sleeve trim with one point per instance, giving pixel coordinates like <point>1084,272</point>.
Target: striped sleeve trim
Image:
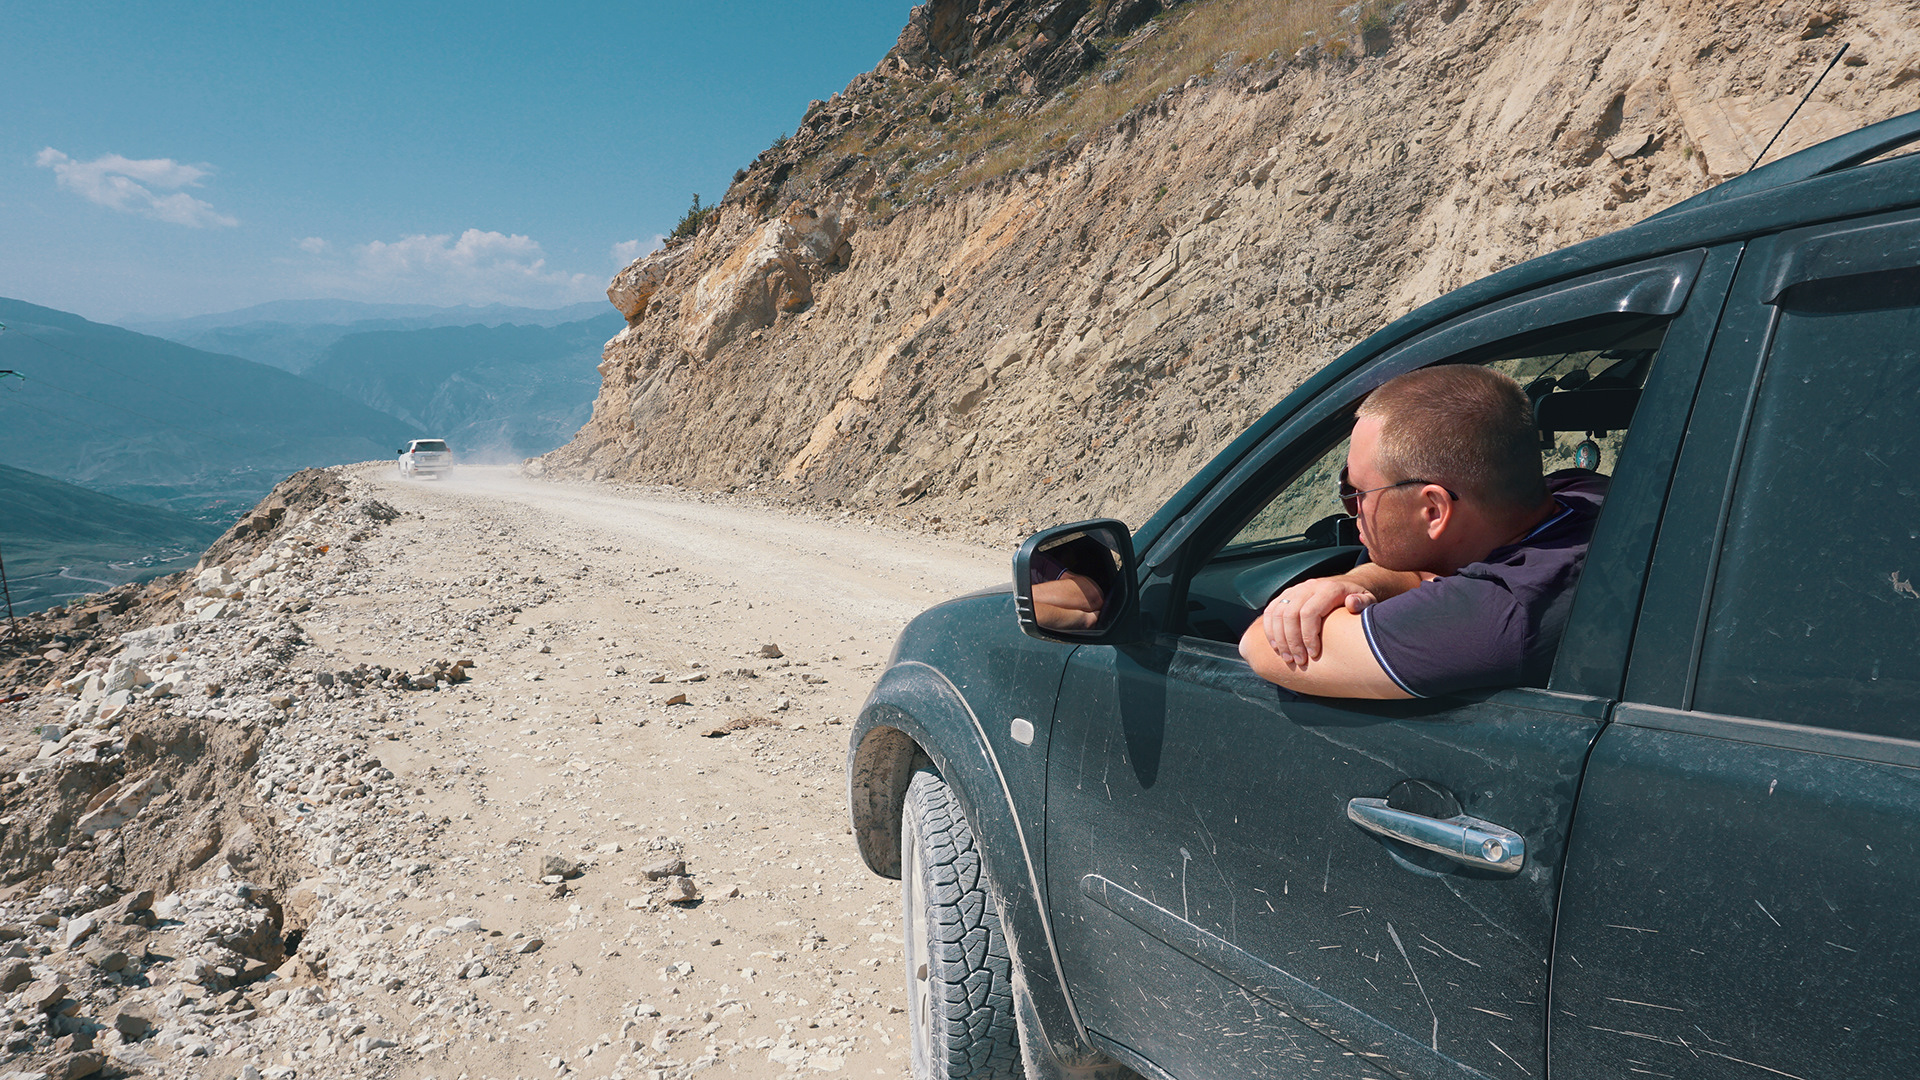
<point>1366,624</point>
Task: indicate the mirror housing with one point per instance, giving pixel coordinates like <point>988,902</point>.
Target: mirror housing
<point>1099,551</point>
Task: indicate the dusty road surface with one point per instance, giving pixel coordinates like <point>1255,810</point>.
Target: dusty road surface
<point>482,777</point>
<point>564,743</point>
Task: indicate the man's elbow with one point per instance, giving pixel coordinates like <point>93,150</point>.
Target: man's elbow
<point>1259,655</point>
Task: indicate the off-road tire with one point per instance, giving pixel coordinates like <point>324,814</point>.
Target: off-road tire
<point>959,976</point>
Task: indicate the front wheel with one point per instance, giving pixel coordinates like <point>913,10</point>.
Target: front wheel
<point>959,975</point>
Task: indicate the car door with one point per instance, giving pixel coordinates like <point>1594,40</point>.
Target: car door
<point>1742,895</point>
<point>1217,913</point>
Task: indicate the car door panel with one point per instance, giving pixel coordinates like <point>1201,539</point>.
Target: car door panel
<point>1214,907</point>
<point>1748,919</point>
<point>1740,894</point>
<point>1399,957</point>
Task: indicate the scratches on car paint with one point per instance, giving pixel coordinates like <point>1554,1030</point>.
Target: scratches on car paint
<point>1698,1050</point>
<point>1450,952</point>
<point>1383,1046</point>
<point>1764,911</point>
<point>1509,1057</point>
<point>1395,935</point>
<point>1454,888</point>
<point>1185,912</point>
<point>1647,1004</point>
<point>1348,747</point>
<point>1213,857</point>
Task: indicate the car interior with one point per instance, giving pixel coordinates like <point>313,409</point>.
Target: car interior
<point>1584,385</point>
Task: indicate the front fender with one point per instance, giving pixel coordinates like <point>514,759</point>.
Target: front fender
<point>917,715</point>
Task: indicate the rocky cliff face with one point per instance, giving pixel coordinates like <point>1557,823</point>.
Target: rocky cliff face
<point>1075,337</point>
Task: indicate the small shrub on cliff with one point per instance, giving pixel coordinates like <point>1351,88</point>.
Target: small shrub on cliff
<point>691,221</point>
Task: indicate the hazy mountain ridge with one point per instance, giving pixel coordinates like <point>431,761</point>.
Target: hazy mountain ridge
<point>160,422</point>
<point>293,334</point>
<point>491,391</point>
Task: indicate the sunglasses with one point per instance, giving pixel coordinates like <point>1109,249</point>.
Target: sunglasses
<point>1350,496</point>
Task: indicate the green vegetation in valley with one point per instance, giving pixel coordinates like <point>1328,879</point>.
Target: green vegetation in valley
<point>61,540</point>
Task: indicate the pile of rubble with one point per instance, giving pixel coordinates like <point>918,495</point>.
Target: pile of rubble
<point>167,766</point>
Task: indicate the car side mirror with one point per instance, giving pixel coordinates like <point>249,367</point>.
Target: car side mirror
<point>1078,584</point>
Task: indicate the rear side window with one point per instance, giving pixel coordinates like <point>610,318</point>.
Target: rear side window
<point>1815,616</point>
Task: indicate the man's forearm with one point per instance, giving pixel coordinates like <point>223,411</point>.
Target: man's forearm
<point>1382,582</point>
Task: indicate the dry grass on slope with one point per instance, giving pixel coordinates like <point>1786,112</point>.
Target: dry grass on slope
<point>981,141</point>
<point>1201,39</point>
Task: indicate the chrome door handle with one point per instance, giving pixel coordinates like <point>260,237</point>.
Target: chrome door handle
<point>1462,838</point>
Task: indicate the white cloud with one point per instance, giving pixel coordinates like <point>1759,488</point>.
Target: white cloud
<point>312,245</point>
<point>129,186</point>
<point>476,267</point>
<point>626,251</point>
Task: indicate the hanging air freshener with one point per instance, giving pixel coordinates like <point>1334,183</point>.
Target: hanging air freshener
<point>1587,454</point>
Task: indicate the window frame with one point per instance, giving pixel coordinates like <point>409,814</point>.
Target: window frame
<point>1671,630</point>
<point>1659,287</point>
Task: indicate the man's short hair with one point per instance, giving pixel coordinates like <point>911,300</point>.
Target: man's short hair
<point>1467,427</point>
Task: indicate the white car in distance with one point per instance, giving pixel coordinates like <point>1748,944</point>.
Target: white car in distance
<point>425,457</point>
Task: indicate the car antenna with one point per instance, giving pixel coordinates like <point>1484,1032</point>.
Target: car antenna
<point>1796,109</point>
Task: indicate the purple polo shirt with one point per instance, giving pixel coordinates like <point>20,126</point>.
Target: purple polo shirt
<point>1496,622</point>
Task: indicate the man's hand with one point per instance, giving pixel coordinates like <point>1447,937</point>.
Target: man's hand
<point>1072,602</point>
<point>1294,620</point>
<point>1348,669</point>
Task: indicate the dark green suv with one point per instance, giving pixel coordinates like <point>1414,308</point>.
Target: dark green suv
<point>1694,852</point>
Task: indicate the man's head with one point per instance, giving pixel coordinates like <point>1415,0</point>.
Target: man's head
<point>1464,431</point>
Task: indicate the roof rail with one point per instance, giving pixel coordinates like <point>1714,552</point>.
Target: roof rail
<point>1844,152</point>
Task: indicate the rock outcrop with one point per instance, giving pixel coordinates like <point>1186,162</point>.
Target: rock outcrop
<point>1074,337</point>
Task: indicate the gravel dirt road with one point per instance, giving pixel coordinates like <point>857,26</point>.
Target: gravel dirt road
<point>564,743</point>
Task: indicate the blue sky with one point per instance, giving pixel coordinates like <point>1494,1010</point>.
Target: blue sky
<point>179,159</point>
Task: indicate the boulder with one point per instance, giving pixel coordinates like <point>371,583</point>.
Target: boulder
<point>665,868</point>
<point>123,674</point>
<point>560,866</point>
<point>632,289</point>
<point>771,272</point>
<point>118,805</point>
<point>212,581</point>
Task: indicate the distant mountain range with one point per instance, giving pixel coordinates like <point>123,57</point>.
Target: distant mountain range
<point>293,334</point>
<point>151,421</point>
<point>60,540</point>
<point>157,422</point>
<point>500,392</point>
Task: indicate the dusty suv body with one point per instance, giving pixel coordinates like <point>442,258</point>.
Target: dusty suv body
<point>425,457</point>
<point>1125,851</point>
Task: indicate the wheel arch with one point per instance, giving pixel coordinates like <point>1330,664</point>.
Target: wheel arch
<point>915,716</point>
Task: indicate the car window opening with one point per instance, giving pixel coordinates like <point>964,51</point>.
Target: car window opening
<point>1584,382</point>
